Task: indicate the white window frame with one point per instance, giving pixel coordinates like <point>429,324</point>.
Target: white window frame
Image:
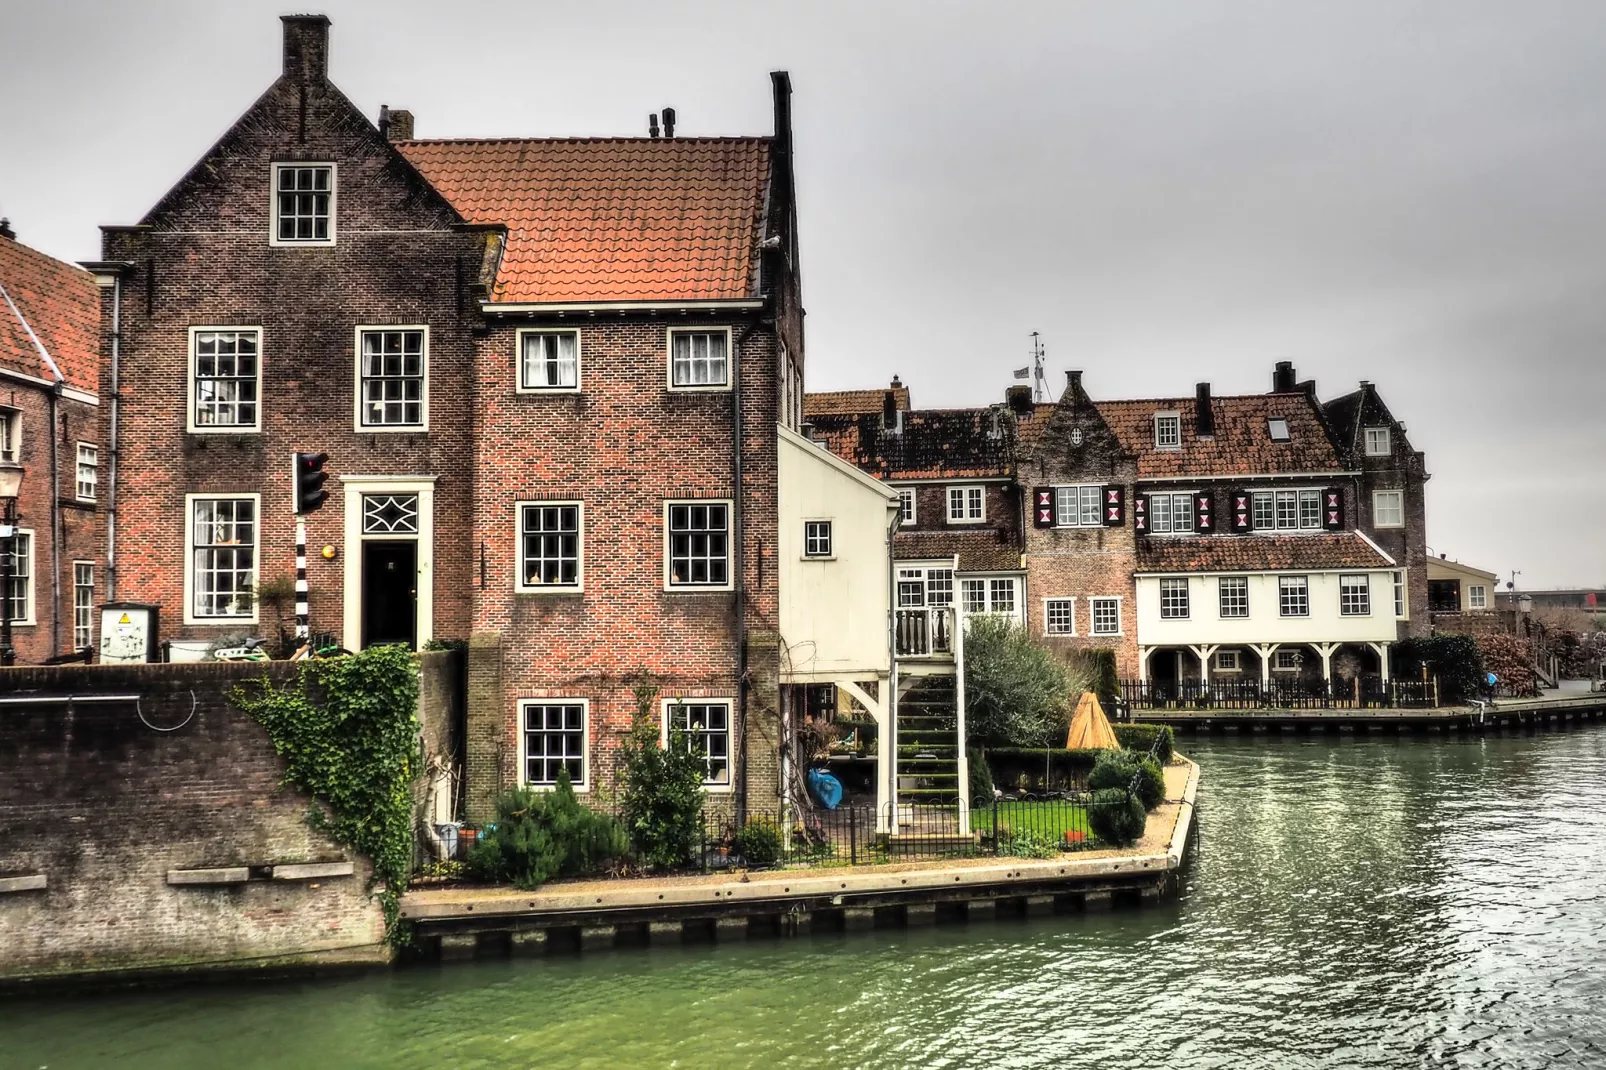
<point>730,542</point>
<point>88,628</point>
<point>1235,664</point>
<point>523,387</point>
<point>190,616</point>
<point>357,487</point>
<point>1069,605</point>
<point>966,490</point>
<point>1347,585</point>
<point>1092,617</point>
<point>809,536</point>
<point>31,588</point>
<point>1171,583</point>
<point>11,418</point>
<point>1070,505</point>
<point>1402,597</point>
<point>704,388</point>
<point>1167,416</point>
<point>93,465</point>
<point>1304,585</point>
<point>1378,442</point>
<point>1477,596</point>
<point>585,741</point>
<point>666,705</point>
<point>1299,496</point>
<point>908,500</point>
<point>989,599</point>
<point>191,399</point>
<point>273,206</point>
<point>520,583</point>
<point>1221,597</point>
<point>1293,654</point>
<point>1170,498</point>
<point>1379,496</point>
<point>358,379</point>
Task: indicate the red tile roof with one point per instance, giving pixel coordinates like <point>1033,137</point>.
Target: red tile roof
<point>61,304</point>
<point>987,550</point>
<point>1258,553</point>
<point>610,219</point>
<point>1242,444</point>
<point>933,443</point>
<point>843,402</point>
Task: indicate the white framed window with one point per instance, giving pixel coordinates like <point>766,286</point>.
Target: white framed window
<point>1287,510</point>
<point>706,726</point>
<point>1400,603</point>
<point>1227,661</point>
<point>1001,596</point>
<point>88,472</point>
<point>967,504</point>
<point>549,360</point>
<point>1234,596</point>
<point>1355,596</point>
<point>552,739</point>
<point>10,435</point>
<point>1388,508</point>
<point>1168,431</point>
<point>817,538</point>
<point>1059,616</point>
<point>906,505</point>
<point>19,598</point>
<point>225,387</point>
<point>1286,660</point>
<point>551,539</point>
<point>1106,615</point>
<point>222,539</point>
<point>1477,596</point>
<point>393,378</point>
<point>697,545</point>
<point>988,595</point>
<point>1171,513</point>
<point>1293,596</point>
<point>699,359</point>
<point>1377,442</point>
<point>1264,504</point>
<point>1079,507</point>
<point>303,204</point>
<point>973,596</point>
<point>1174,599</point>
<point>83,604</point>
<point>1277,429</point>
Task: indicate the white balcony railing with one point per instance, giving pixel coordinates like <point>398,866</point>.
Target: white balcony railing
<point>925,633</point>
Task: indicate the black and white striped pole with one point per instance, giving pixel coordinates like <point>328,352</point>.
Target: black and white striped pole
<point>303,620</point>
<point>309,494</point>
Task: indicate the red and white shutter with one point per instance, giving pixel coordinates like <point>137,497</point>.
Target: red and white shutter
<point>1114,505</point>
<point>1043,507</point>
<point>1204,512</point>
<point>1241,512</point>
<point>1140,514</point>
<point>1333,509</point>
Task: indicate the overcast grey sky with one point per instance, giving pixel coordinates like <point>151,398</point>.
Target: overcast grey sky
<point>1397,190</point>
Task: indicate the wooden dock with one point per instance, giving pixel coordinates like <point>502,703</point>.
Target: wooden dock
<point>1555,710</point>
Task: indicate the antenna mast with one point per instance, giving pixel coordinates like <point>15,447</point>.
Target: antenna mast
<point>1039,380</point>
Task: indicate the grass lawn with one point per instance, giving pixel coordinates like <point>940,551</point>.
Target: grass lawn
<point>1057,820</point>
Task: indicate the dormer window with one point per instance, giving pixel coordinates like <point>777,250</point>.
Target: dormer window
<point>303,204</point>
<point>1168,431</point>
<point>1277,428</point>
<point>1377,442</point>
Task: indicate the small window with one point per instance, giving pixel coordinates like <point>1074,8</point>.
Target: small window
<point>1293,596</point>
<point>1106,614</point>
<point>1234,596</point>
<point>304,204</point>
<point>698,360</point>
<point>1388,509</point>
<point>906,505</point>
<point>698,544</point>
<point>1171,513</point>
<point>549,361</point>
<point>1059,616</point>
<point>973,596</point>
<point>1265,510</point>
<point>223,570</point>
<point>939,586</point>
<point>1079,507</point>
<point>88,471</point>
<point>1287,510</point>
<point>390,514</point>
<point>1227,661</point>
<point>1001,595</point>
<point>1355,596</point>
<point>1277,428</point>
<point>83,604</point>
<point>817,538</point>
<point>1377,442</point>
<point>1399,596</point>
<point>911,588</point>
<point>1168,431</point>
<point>225,379</point>
<point>1174,599</point>
<point>392,390</point>
<point>554,741</point>
<point>19,598</point>
<point>1287,660</point>
<point>10,439</point>
<point>551,536</point>
<point>1477,596</point>
<point>705,726</point>
<point>966,505</point>
<point>1310,509</point>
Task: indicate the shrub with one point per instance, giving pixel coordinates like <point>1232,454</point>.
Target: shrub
<point>1510,658</point>
<point>1027,843</point>
<point>661,788</point>
<point>981,774</point>
<point>1454,659</point>
<point>539,835</point>
<point>1017,693</point>
<point>1140,737</point>
<point>1116,769</point>
<point>1116,817</point>
<point>759,843</point>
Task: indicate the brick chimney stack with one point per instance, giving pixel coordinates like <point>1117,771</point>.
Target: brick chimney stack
<point>400,127</point>
<point>306,48</point>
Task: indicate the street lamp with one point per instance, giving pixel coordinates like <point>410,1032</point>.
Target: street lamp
<point>10,488</point>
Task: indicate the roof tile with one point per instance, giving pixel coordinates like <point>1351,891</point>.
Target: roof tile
<point>1258,553</point>
<point>62,304</point>
<point>1242,445</point>
<point>933,444</point>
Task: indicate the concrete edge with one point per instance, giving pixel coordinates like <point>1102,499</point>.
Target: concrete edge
<point>302,871</point>
<point>355,958</point>
<point>222,875</point>
<point>31,882</point>
<point>1179,835</point>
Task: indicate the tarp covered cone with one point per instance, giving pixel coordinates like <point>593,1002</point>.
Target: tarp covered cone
<point>1090,729</point>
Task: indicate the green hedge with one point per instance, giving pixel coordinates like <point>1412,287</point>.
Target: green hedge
<point>1116,769</point>
<point>1141,737</point>
<point>1022,768</point>
<point>1116,817</point>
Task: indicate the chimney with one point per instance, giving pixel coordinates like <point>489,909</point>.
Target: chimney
<point>1019,399</point>
<point>889,409</point>
<point>1204,424</point>
<point>6,231</point>
<point>396,125</point>
<point>1282,378</point>
<point>652,124</point>
<point>896,382</point>
<point>306,48</point>
<point>669,122</point>
<point>1073,378</point>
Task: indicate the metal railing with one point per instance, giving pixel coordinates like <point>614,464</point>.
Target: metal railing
<point>1362,692</point>
<point>926,632</point>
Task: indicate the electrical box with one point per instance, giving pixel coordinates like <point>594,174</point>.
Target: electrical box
<point>128,633</point>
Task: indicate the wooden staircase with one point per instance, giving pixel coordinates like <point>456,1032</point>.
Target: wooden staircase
<point>927,768</point>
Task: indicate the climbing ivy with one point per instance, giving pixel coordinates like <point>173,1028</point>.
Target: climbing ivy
<point>347,729</point>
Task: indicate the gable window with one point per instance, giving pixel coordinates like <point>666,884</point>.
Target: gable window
<point>1377,442</point>
<point>223,558</point>
<point>816,538</point>
<point>1286,661</point>
<point>966,505</point>
<point>1227,661</point>
<point>1234,596</point>
<point>1059,616</point>
<point>549,361</point>
<point>1174,599</point>
<point>88,471</point>
<point>303,204</point>
<point>1293,596</point>
<point>1078,507</point>
<point>1168,431</point>
<point>1106,615</point>
<point>906,505</point>
<point>1355,596</point>
<point>19,597</point>
<point>1287,510</point>
<point>706,727</point>
<point>10,439</point>
<point>553,740</point>
<point>1477,596</point>
<point>1399,596</point>
<point>698,360</point>
<point>83,604</point>
<point>1171,513</point>
<point>1277,429</point>
<point>1388,508</point>
<point>698,544</point>
<point>550,546</point>
<point>225,379</point>
<point>391,369</point>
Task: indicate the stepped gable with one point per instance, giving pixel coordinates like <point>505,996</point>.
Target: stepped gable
<point>1260,553</point>
<point>61,304</point>
<point>1242,444</point>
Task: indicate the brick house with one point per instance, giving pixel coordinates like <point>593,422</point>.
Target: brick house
<point>547,374</point>
<point>50,423</point>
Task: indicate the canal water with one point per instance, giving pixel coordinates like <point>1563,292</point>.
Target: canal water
<point>1352,903</point>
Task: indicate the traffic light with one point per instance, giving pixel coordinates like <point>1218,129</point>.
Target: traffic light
<point>309,477</point>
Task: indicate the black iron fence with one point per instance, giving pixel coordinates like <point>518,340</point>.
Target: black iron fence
<point>1361,692</point>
